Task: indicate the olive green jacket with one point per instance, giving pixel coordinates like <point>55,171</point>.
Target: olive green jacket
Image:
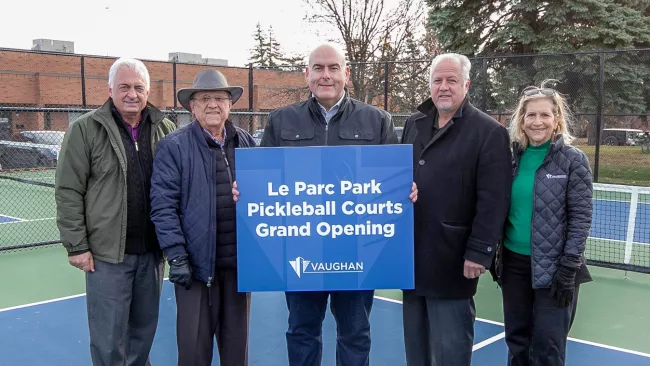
<point>90,185</point>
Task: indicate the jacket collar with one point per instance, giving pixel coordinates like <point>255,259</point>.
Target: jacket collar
<point>315,108</point>
<point>203,138</point>
<point>117,117</point>
<point>428,108</point>
<point>104,114</point>
<point>556,145</point>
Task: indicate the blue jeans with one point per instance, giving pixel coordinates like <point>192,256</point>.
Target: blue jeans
<point>351,311</point>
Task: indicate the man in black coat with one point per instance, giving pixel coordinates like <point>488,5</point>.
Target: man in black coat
<point>462,167</point>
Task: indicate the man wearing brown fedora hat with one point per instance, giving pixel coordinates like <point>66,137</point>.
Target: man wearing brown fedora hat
<point>329,117</point>
<point>194,213</point>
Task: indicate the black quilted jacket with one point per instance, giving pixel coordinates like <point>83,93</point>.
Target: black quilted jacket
<point>562,208</point>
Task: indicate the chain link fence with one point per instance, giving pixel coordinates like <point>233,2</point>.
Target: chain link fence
<point>609,94</point>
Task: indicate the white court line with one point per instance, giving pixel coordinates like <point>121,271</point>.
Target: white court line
<point>488,341</point>
<point>610,347</point>
<point>42,302</point>
<point>11,217</point>
<point>502,335</point>
<point>21,220</point>
<point>617,241</point>
<point>51,301</point>
<point>476,346</point>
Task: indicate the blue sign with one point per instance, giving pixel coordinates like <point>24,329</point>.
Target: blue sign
<point>325,218</point>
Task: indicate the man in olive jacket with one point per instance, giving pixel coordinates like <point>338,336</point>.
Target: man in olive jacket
<point>462,167</point>
<point>102,197</point>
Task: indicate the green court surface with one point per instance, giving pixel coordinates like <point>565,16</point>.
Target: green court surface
<point>29,209</point>
<point>613,310</point>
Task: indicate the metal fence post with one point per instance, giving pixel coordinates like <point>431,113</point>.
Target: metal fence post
<point>250,96</point>
<point>599,113</point>
<point>174,81</point>
<point>386,86</point>
<point>83,81</point>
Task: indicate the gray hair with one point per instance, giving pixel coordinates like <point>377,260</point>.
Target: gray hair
<point>129,63</point>
<point>462,60</point>
<point>334,46</point>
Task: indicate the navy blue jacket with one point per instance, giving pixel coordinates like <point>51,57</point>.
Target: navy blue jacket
<point>562,210</point>
<point>184,199</point>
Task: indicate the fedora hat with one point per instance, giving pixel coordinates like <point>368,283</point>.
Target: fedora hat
<point>208,80</point>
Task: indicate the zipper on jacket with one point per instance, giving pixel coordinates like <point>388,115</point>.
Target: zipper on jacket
<point>326,132</point>
<point>532,265</point>
<point>223,153</point>
<point>146,203</point>
<point>213,223</point>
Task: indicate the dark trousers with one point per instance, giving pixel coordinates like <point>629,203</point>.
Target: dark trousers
<point>204,314</point>
<point>123,301</point>
<point>351,311</point>
<point>438,332</point>
<point>536,328</point>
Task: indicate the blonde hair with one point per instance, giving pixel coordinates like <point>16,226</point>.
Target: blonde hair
<point>561,113</point>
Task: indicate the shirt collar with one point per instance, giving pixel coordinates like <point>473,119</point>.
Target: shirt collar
<point>222,142</point>
<point>118,117</point>
<point>334,108</point>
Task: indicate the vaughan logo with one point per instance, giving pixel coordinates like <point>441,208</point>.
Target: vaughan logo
<point>302,266</point>
<point>551,176</point>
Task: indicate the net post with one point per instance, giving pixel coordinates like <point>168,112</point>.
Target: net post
<point>631,223</point>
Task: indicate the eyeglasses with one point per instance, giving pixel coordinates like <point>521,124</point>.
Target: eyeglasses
<point>544,91</point>
<point>207,100</point>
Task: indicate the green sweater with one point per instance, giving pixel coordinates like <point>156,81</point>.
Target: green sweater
<point>517,238</point>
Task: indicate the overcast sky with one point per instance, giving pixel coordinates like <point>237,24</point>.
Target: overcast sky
<point>148,30</point>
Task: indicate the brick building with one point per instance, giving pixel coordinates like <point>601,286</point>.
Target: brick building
<point>44,91</point>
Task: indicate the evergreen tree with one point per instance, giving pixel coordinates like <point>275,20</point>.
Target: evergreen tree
<point>480,28</point>
<point>260,50</point>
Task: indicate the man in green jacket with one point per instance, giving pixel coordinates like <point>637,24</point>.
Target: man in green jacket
<point>103,214</point>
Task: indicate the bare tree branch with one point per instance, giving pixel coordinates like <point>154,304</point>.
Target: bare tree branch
<point>371,33</point>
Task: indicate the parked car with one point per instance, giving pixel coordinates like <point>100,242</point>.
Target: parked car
<point>31,149</point>
<point>257,136</point>
<point>620,136</point>
<point>399,131</point>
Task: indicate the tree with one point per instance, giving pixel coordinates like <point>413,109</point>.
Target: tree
<point>409,81</point>
<point>259,52</point>
<point>267,51</point>
<point>371,34</point>
<point>495,28</point>
<point>274,56</point>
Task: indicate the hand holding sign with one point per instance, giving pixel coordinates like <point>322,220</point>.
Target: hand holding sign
<point>235,192</point>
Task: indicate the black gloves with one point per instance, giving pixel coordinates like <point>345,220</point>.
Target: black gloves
<point>563,285</point>
<point>180,272</point>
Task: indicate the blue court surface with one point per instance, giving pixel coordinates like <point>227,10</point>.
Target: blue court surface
<point>56,333</point>
<point>8,219</point>
<point>611,219</point>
